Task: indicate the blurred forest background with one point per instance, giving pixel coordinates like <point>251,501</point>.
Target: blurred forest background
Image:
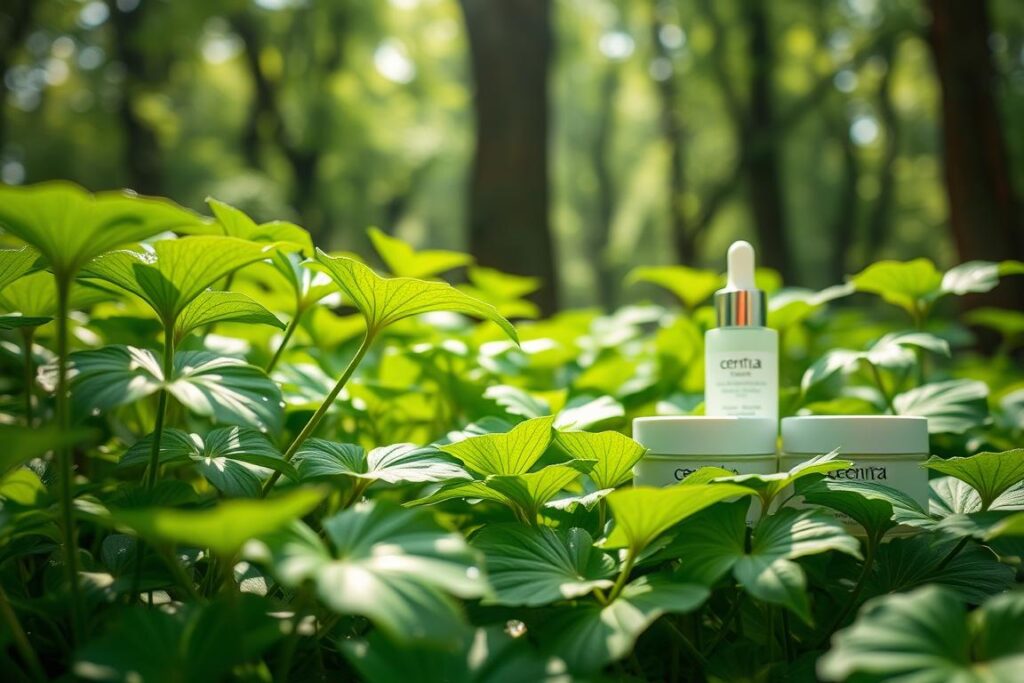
<point>570,139</point>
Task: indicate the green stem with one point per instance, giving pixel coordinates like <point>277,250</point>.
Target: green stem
<point>64,464</point>
<point>881,386</point>
<point>871,545</point>
<point>620,582</point>
<point>951,555</point>
<point>161,409</point>
<point>291,643</point>
<point>364,346</point>
<point>27,335</point>
<point>20,639</point>
<point>293,324</point>
<point>183,579</point>
<point>734,611</point>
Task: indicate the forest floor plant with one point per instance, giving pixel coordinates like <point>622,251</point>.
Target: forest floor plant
<point>384,489</point>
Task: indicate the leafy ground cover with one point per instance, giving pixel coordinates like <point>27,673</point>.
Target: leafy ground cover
<point>229,455</point>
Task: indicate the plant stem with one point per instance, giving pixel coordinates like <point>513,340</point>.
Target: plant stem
<point>27,335</point>
<point>64,464</point>
<point>687,645</point>
<point>734,611</point>
<point>870,547</point>
<point>161,409</point>
<point>293,324</point>
<point>180,576</point>
<point>20,639</point>
<point>881,386</point>
<point>364,346</point>
<point>627,567</point>
<point>284,667</point>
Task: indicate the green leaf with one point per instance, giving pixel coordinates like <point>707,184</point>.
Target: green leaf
<point>768,486</point>
<point>35,295</point>
<point>891,349</point>
<point>170,274</point>
<point>927,637</point>
<point>876,507</point>
<point>226,389</point>
<point>990,474</point>
<point>236,223</point>
<point>236,460</point>
<point>14,263</point>
<point>536,566</point>
<point>397,463</point>
<point>643,513</point>
<point>504,291</point>
<point>14,322</point>
<point>21,444</point>
<point>219,307</point>
<point>223,528</point>
<point>383,301</point>
<point>907,284</point>
<point>584,412</point>
<point>690,285</point>
<point>490,656</point>
<point>1009,324</point>
<point>532,490</point>
<point>402,260</point>
<point>70,226</point>
<point>903,564</point>
<point>590,636</point>
<point>791,306</point>
<point>189,643</point>
<point>976,277</point>
<point>615,455</point>
<point>714,542</point>
<point>952,407</point>
<point>513,452</point>
<point>395,566</point>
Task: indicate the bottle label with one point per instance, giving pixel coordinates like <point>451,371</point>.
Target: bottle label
<point>742,384</point>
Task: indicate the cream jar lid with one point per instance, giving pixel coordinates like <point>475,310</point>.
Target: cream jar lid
<point>700,435</point>
<point>855,434</point>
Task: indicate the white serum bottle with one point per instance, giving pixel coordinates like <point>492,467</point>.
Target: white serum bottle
<point>741,355</point>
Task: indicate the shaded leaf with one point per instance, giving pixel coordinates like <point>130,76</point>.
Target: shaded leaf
<point>403,462</point>
<point>404,261</point>
<point>14,263</point>
<point>977,277</point>
<point>990,474</point>
<point>953,406</point>
<point>768,486</point>
<point>876,507</point>
<point>218,307</point>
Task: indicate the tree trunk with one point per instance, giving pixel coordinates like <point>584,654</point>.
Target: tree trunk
<point>17,20</point>
<point>983,208</point>
<point>597,238</point>
<point>142,155</point>
<point>509,228</point>
<point>763,168</point>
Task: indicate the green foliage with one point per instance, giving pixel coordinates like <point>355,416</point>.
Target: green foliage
<point>434,500</point>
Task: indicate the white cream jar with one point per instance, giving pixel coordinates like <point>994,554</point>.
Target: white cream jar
<point>884,449</point>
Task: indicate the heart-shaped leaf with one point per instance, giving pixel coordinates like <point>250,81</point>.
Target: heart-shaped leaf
<point>236,460</point>
<point>170,274</point>
<point>235,223</point>
<point>690,285</point>
<point>615,455</point>
<point>532,490</point>
<point>220,307</point>
<point>953,406</point>
<point>383,301</point>
<point>397,463</point>
<point>590,636</point>
<point>14,263</point>
<point>714,542</point>
<point>990,474</point>
<point>395,566</point>
<point>512,452</point>
<point>223,528</point>
<point>643,513</point>
<point>227,389</point>
<point>907,284</point>
<point>927,636</point>
<point>528,566</point>
<point>70,226</point>
<point>404,261</point>
<point>876,507</point>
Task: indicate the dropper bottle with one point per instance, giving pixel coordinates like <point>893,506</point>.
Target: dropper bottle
<point>741,355</point>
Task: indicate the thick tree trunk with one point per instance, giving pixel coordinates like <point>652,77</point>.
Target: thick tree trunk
<point>509,228</point>
<point>983,207</point>
<point>762,135</point>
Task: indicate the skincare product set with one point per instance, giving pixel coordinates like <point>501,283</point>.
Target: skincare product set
<point>740,429</point>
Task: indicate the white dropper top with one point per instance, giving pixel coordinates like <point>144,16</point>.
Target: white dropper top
<point>741,266</point>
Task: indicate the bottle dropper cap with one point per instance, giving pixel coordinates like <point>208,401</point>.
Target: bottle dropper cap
<point>740,303</point>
